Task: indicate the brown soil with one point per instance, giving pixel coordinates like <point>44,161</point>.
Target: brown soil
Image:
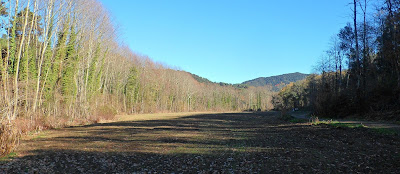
<point>207,143</point>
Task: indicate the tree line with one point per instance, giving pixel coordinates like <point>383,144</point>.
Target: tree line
<point>62,63</point>
<point>360,72</point>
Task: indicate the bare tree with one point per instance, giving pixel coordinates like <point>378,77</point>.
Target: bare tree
<point>47,37</point>
<point>357,56</point>
<point>16,87</point>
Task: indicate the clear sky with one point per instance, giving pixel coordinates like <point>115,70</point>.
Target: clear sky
<point>231,40</point>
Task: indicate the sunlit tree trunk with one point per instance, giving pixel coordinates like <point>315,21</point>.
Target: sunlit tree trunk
<point>47,37</point>
<point>16,87</point>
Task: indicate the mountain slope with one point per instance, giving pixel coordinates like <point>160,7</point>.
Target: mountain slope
<point>205,80</point>
<point>277,82</point>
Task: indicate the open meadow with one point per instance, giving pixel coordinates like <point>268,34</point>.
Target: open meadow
<point>206,143</point>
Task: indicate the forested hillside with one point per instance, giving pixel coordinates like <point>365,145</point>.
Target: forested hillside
<point>206,81</point>
<point>277,82</point>
<point>63,64</point>
<point>201,79</point>
<point>360,72</point>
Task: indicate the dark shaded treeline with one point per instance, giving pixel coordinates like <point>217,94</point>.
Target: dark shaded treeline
<point>360,73</point>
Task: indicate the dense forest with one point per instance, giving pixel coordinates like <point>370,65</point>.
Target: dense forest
<point>360,72</point>
<point>277,82</point>
<point>63,64</point>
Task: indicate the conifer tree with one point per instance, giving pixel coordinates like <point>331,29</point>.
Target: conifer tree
<point>68,84</point>
<point>131,87</point>
<point>93,72</point>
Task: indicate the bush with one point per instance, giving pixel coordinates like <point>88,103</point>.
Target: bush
<point>9,138</point>
<point>103,113</point>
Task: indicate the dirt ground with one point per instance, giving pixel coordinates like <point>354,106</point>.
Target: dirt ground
<point>206,143</point>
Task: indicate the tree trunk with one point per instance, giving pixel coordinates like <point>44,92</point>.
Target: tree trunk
<point>47,37</point>
<point>27,61</point>
<point>18,61</point>
<point>365,54</point>
<point>357,47</point>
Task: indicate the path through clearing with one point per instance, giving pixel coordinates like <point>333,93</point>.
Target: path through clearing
<point>206,143</point>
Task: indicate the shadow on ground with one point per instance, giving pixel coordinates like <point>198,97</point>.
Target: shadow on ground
<point>225,143</point>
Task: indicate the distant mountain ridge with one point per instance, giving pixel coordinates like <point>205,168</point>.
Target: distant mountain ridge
<point>205,80</point>
<point>277,82</point>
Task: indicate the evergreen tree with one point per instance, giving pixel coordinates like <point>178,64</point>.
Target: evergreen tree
<point>131,87</point>
<point>55,64</point>
<point>93,84</point>
<point>68,83</point>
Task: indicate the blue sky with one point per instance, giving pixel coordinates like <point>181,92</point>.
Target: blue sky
<point>231,40</point>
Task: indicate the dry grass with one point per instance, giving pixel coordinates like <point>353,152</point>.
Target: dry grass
<point>93,138</point>
<point>9,137</point>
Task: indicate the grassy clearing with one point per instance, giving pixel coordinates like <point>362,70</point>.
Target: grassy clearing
<point>337,124</point>
<point>205,143</point>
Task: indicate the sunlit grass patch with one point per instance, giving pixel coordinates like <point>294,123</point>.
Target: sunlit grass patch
<point>337,124</point>
<point>316,121</point>
<point>39,136</point>
<point>348,125</point>
<point>8,156</point>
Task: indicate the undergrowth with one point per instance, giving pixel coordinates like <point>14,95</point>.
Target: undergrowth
<point>9,138</point>
<point>10,133</point>
<point>336,124</point>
